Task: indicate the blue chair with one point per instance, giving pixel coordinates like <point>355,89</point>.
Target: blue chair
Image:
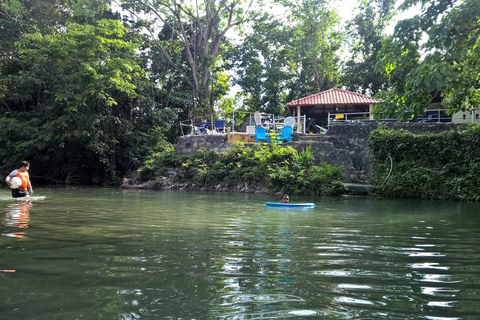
<point>219,126</point>
<point>203,129</point>
<point>286,134</point>
<point>261,135</point>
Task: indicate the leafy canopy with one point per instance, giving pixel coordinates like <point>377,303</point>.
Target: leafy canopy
<point>437,51</point>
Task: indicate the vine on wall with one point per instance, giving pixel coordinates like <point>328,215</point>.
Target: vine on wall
<point>444,166</point>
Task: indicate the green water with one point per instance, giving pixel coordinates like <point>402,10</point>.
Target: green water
<point>113,254</point>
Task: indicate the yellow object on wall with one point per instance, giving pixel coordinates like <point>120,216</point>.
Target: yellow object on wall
<point>233,137</point>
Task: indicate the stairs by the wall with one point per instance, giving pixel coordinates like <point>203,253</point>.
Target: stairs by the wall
<point>309,138</point>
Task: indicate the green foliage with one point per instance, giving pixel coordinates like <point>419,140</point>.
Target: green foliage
<point>279,169</point>
<point>366,31</point>
<point>305,158</point>
<point>197,168</point>
<point>427,166</point>
<point>300,176</point>
<point>89,63</point>
<point>284,57</point>
<point>188,47</point>
<point>75,104</point>
<point>434,52</point>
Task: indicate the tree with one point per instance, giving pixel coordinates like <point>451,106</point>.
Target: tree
<point>261,65</point>
<point>316,43</point>
<point>75,104</point>
<point>285,57</point>
<point>18,17</point>
<point>366,31</point>
<point>197,32</point>
<point>435,52</point>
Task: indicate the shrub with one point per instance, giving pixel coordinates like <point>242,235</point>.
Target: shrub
<point>278,168</point>
<point>427,166</point>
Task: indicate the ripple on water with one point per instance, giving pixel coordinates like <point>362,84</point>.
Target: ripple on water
<point>347,286</point>
<point>234,299</point>
<point>303,313</point>
<point>356,301</point>
<point>202,256</point>
<point>440,291</point>
<point>443,304</point>
<point>428,265</point>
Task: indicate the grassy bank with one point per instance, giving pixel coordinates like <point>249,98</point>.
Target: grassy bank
<point>269,167</point>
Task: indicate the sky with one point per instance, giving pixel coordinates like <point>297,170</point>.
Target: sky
<point>345,9</point>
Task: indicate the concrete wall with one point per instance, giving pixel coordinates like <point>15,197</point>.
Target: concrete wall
<point>190,144</point>
<point>345,144</point>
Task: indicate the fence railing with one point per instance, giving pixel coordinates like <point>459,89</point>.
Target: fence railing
<point>430,115</point>
<point>351,116</point>
<point>267,120</point>
<point>241,122</point>
<point>203,126</point>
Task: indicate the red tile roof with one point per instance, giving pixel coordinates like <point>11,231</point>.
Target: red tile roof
<point>334,97</point>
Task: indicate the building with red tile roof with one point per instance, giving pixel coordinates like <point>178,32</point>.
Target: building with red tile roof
<point>333,101</point>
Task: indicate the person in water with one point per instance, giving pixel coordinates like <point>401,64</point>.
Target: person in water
<point>22,173</point>
<point>284,198</point>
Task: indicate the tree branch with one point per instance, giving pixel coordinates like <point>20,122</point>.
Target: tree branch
<point>155,42</point>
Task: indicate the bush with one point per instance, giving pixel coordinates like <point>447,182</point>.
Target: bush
<point>427,166</point>
<point>280,169</point>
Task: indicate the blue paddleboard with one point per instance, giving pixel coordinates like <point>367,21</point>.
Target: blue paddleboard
<point>290,205</point>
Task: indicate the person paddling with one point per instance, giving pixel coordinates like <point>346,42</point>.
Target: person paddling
<point>22,173</point>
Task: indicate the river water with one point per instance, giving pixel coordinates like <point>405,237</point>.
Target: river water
<point>86,253</point>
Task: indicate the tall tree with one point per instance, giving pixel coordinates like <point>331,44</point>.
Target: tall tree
<point>197,31</point>
<point>366,31</point>
<point>434,52</point>
<point>75,105</point>
<point>20,16</point>
<point>260,63</point>
<point>316,43</point>
<point>287,56</point>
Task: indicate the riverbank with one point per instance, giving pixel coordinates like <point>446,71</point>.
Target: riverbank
<point>166,183</point>
<point>417,161</point>
<point>253,169</point>
<point>344,145</point>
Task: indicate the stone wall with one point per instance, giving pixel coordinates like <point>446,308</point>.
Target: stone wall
<point>190,144</point>
<point>345,144</point>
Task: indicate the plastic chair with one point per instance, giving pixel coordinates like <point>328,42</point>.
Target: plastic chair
<point>219,126</point>
<point>205,128</point>
<point>258,118</point>
<point>261,135</point>
<point>286,134</point>
<point>289,121</point>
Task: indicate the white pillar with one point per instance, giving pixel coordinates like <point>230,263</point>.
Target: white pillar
<point>298,118</point>
<point>370,109</point>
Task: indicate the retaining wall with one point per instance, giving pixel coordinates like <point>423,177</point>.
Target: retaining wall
<point>345,144</point>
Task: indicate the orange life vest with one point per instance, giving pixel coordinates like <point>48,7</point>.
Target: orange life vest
<point>24,177</point>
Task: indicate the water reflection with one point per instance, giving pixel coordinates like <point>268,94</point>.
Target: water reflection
<point>17,216</point>
<point>133,255</point>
